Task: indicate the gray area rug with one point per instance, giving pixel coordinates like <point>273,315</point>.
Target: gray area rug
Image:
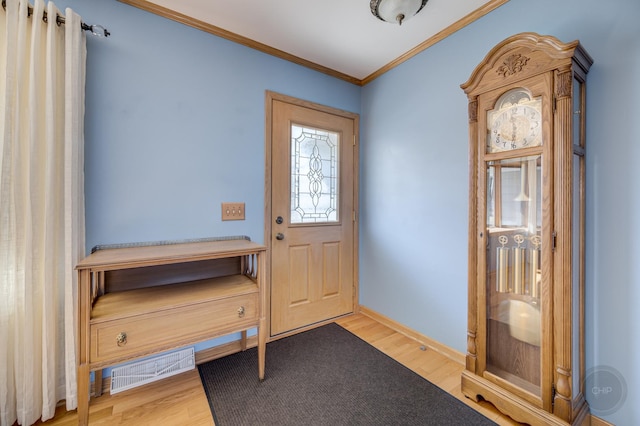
<point>326,376</point>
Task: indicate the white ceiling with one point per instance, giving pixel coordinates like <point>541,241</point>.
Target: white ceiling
<point>341,35</point>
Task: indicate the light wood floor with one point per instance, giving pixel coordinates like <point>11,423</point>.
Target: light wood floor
<point>180,400</point>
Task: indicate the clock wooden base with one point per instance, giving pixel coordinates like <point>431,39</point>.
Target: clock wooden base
<point>478,389</point>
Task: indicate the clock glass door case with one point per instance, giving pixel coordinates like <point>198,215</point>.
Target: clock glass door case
<point>512,186</point>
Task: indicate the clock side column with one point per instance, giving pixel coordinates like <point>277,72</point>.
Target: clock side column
<point>472,297</point>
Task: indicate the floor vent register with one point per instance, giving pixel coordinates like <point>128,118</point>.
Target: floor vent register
<point>151,370</point>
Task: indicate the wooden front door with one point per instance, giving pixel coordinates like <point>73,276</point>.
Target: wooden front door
<point>311,212</point>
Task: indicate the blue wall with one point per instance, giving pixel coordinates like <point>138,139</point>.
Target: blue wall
<point>175,125</point>
<point>414,183</point>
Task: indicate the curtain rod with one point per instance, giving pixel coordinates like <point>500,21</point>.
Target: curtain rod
<point>97,30</point>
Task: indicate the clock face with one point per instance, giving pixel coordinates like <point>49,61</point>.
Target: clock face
<point>515,123</point>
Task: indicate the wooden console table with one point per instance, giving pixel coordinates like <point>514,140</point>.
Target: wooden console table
<point>138,300</point>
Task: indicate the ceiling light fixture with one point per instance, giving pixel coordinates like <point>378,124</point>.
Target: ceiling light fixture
<point>396,11</point>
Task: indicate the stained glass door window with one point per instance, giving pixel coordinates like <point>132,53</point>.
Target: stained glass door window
<point>314,175</point>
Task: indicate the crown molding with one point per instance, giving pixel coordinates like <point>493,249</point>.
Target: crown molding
<point>217,31</point>
<point>456,26</point>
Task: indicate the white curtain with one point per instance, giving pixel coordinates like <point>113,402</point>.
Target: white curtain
<point>42,75</point>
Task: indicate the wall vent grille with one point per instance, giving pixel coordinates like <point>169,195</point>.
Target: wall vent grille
<point>152,369</point>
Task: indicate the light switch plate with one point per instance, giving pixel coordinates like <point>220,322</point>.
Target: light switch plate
<point>232,211</point>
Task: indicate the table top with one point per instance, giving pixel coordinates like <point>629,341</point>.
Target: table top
<point>149,255</point>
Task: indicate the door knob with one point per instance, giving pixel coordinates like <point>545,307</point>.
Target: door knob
<point>279,220</point>
<point>279,236</point>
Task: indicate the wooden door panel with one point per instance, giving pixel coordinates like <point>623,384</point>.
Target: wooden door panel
<point>313,163</point>
<point>331,268</point>
<point>299,263</point>
<point>317,286</point>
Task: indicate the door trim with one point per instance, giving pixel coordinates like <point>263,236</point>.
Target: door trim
<point>268,221</point>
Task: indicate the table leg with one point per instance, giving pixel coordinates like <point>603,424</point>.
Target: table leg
<point>97,383</point>
<point>83,394</point>
<point>243,340</point>
<point>262,347</point>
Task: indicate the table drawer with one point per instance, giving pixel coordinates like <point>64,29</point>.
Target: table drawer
<point>184,325</point>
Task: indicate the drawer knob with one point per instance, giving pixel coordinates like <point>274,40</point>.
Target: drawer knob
<point>241,312</point>
<point>121,338</point>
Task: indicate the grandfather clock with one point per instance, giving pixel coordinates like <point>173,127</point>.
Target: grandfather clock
<point>525,344</point>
